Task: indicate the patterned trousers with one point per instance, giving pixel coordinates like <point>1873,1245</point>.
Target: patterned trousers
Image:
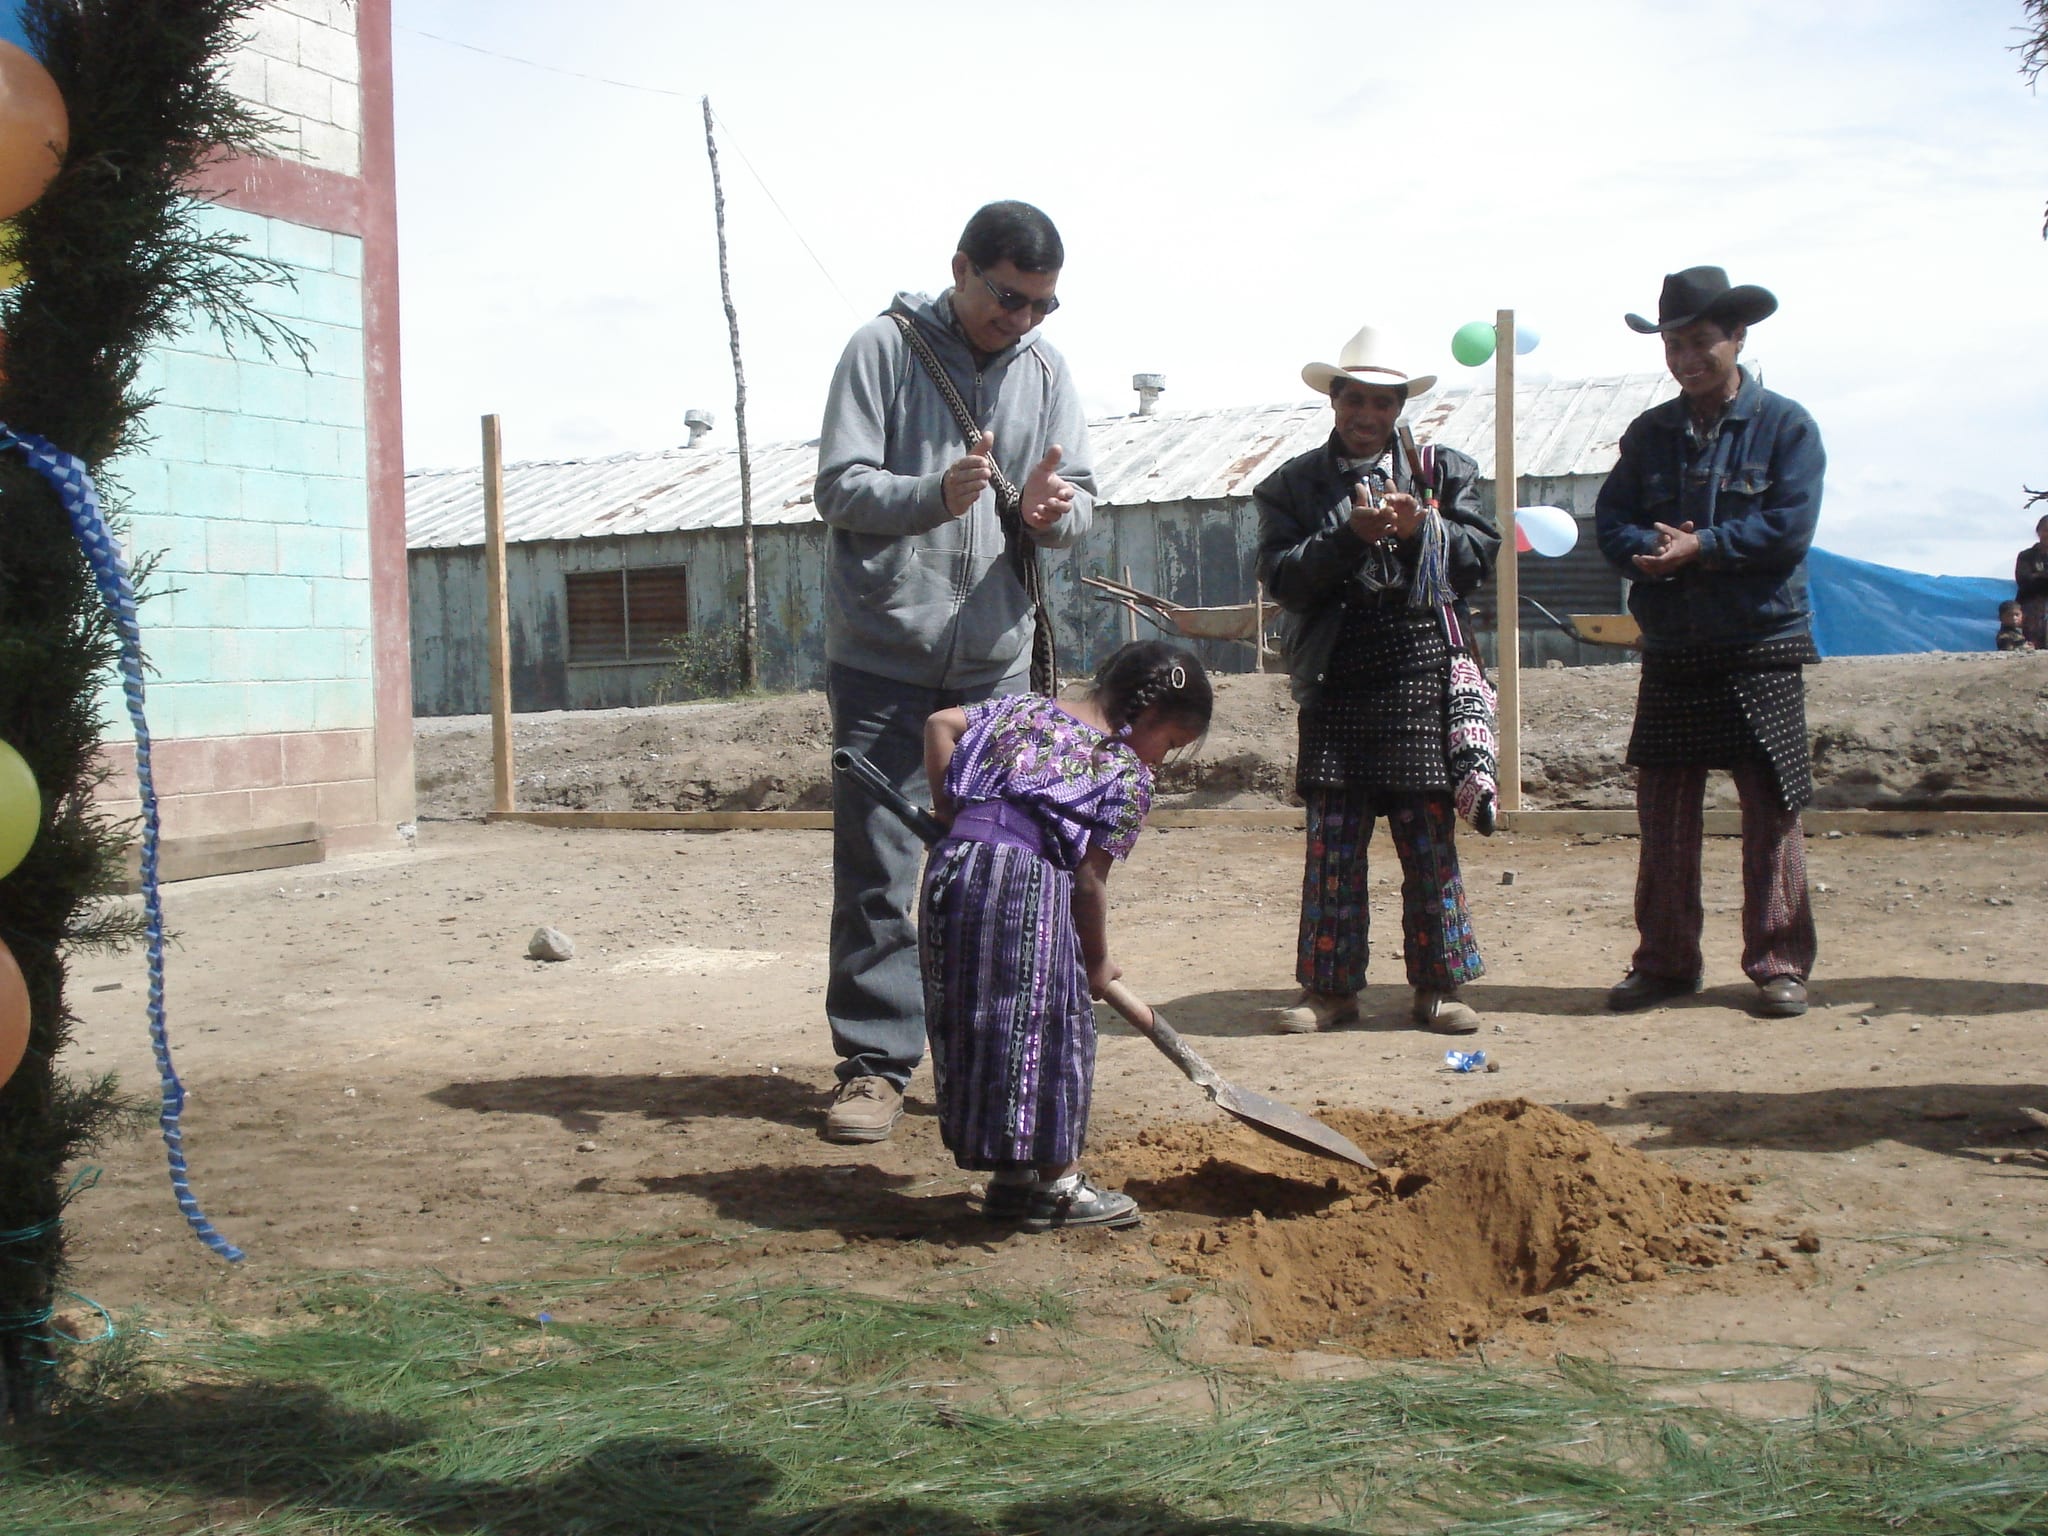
<point>1336,924</point>
<point>1778,938</point>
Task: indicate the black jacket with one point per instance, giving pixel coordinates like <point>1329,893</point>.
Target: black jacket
<point>1309,557</point>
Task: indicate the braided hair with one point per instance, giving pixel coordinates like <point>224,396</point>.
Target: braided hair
<point>1153,673</point>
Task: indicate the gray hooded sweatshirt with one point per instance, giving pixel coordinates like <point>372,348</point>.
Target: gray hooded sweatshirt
<point>912,594</point>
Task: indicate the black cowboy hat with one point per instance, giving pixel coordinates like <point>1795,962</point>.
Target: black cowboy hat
<point>1702,293</point>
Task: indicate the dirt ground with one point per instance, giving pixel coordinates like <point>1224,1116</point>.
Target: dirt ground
<point>380,1079</point>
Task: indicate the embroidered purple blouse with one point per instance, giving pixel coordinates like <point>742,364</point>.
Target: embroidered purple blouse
<point>1086,789</point>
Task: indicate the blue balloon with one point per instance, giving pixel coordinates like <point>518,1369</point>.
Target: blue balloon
<point>13,29</point>
<point>1526,341</point>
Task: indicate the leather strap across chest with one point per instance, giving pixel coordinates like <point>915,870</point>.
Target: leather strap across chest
<point>1017,541</point>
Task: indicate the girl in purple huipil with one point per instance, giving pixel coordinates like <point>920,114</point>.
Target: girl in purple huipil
<point>1041,797</point>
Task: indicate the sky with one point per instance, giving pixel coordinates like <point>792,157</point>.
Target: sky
<point>1239,189</point>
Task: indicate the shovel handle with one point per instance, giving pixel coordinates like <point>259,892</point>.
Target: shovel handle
<point>1146,1021</point>
<point>874,783</point>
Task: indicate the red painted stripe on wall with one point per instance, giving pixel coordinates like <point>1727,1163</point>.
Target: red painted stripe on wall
<point>286,189</point>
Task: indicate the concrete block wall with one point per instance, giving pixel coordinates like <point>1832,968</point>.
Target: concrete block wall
<point>252,503</point>
<point>269,499</point>
<point>300,65</point>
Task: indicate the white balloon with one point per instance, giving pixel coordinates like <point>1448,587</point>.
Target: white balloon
<point>1550,531</point>
<point>1526,340</point>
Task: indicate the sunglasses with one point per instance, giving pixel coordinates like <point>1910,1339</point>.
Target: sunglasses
<point>1012,301</point>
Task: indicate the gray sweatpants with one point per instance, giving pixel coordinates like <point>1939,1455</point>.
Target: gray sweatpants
<point>874,995</point>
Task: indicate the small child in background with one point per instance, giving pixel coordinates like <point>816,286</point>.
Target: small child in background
<point>2011,637</point>
<point>1041,797</point>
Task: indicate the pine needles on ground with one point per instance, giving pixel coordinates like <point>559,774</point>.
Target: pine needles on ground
<point>385,1408</point>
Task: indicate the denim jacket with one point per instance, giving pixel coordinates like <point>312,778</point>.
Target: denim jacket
<point>1309,557</point>
<point>1752,494</point>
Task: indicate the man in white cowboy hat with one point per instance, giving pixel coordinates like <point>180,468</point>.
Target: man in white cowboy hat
<point>1351,547</point>
<point>1709,512</point>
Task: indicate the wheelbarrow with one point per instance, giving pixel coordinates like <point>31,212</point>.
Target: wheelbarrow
<point>1615,629</point>
<point>1242,622</point>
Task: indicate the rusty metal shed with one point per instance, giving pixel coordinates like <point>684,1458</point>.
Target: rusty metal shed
<point>1174,510</point>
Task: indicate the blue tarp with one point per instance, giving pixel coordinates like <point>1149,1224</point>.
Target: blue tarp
<point>1860,609</point>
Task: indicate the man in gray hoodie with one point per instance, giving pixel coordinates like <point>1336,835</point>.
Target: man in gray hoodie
<point>926,604</point>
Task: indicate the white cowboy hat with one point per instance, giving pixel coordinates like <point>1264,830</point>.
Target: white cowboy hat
<point>1361,360</point>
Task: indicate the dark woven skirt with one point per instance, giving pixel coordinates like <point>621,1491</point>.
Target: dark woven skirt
<point>1383,717</point>
<point>1717,706</point>
<point>1006,1007</point>
<point>2034,619</point>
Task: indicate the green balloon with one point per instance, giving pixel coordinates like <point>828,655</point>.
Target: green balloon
<point>1473,344</point>
<point>21,809</point>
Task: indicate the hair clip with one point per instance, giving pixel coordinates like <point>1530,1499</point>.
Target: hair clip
<point>1178,677</point>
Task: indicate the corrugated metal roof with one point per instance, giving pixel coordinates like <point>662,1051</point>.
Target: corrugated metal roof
<point>684,488</point>
<point>1562,428</point>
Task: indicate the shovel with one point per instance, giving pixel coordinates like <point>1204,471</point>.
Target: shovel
<point>1267,1116</point>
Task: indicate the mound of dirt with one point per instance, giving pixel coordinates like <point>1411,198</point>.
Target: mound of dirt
<point>1941,732</point>
<point>1468,1223</point>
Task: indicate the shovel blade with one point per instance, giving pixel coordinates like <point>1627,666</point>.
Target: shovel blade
<point>1284,1123</point>
<point>1267,1116</point>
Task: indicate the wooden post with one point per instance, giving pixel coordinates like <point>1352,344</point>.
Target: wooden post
<point>1258,626</point>
<point>750,629</point>
<point>499,634</point>
<point>1509,628</point>
<point>1130,613</point>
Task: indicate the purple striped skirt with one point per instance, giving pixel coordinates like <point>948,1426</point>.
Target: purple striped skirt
<point>1006,1006</point>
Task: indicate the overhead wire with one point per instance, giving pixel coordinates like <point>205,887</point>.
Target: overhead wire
<point>651,90</point>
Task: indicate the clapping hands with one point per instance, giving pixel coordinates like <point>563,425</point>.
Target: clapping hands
<point>1046,499</point>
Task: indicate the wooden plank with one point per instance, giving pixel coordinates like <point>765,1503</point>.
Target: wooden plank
<point>225,853</point>
<point>672,821</point>
<point>248,837</point>
<point>182,866</point>
<point>1729,823</point>
<point>1563,823</point>
<point>1229,816</point>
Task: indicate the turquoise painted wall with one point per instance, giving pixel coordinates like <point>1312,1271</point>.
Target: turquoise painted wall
<point>252,498</point>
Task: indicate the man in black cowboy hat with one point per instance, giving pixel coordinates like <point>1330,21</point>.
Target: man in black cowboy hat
<point>1709,513</point>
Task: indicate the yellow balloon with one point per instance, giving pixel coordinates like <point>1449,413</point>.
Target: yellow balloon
<point>21,809</point>
<point>34,129</point>
<point>13,1015</point>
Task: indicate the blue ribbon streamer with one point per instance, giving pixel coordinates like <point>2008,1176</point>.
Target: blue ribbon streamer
<point>67,475</point>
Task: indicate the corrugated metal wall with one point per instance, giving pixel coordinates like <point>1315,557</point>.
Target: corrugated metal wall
<point>451,667</point>
<point>1197,554</point>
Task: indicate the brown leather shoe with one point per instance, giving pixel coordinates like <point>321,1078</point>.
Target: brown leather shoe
<point>1639,989</point>
<point>1782,997</point>
<point>864,1109</point>
<point>1314,1011</point>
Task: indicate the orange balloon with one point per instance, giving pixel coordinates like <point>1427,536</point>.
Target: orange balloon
<point>34,129</point>
<point>13,1014</point>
